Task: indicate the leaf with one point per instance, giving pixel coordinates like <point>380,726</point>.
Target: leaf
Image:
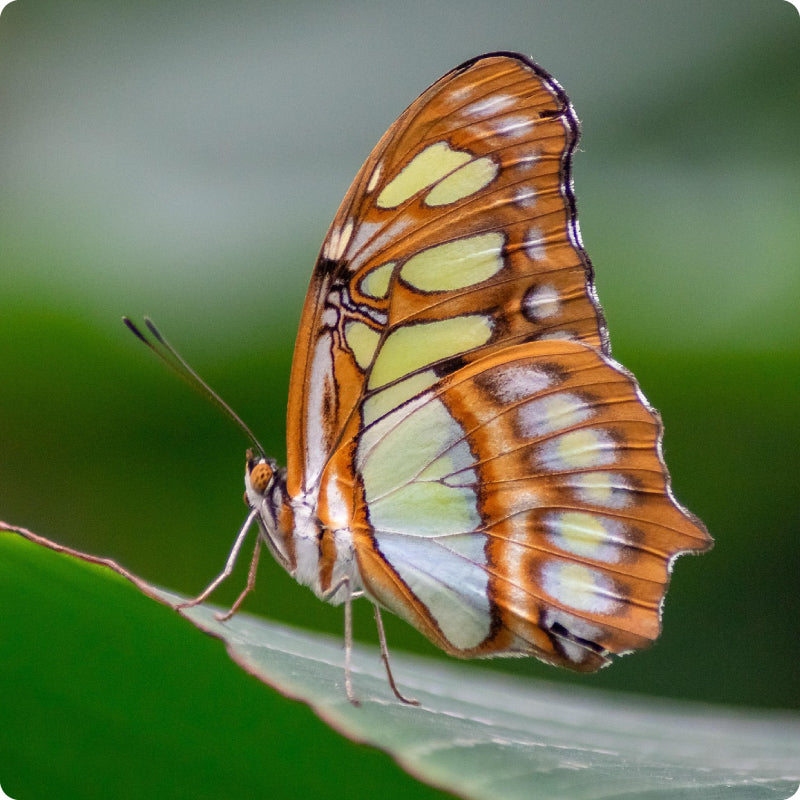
<point>481,735</point>
<point>107,694</point>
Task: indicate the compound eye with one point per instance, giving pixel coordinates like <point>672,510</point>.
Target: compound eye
<point>260,477</point>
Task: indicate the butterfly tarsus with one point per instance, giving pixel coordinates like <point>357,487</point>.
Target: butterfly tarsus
<point>385,656</point>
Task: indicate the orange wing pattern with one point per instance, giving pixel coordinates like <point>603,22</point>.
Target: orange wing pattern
<point>577,525</point>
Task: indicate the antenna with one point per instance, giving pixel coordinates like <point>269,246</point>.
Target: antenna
<point>178,364</point>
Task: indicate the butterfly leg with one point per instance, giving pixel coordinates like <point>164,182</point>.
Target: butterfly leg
<point>229,564</point>
<point>348,647</point>
<point>348,634</point>
<point>385,656</point>
<point>348,644</point>
<point>251,584</point>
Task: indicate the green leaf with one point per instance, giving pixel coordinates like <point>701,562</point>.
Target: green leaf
<point>107,694</point>
<point>477,734</point>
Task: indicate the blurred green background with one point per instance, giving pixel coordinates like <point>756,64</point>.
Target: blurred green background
<point>184,160</point>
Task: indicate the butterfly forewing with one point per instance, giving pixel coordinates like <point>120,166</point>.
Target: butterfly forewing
<point>458,237</point>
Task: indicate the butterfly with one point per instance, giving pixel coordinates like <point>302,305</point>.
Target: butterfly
<point>462,449</point>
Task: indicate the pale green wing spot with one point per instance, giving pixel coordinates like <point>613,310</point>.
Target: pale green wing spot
<point>427,167</point>
<point>375,177</point>
<point>362,340</point>
<point>580,588</point>
<point>586,535</point>
<point>551,413</point>
<point>463,182</point>
<point>414,346</point>
<point>453,588</point>
<point>376,282</point>
<point>424,504</point>
<point>607,489</point>
<point>336,245</point>
<point>391,397</point>
<point>578,449</point>
<point>455,265</point>
<point>467,545</point>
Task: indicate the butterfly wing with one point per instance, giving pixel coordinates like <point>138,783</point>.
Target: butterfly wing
<point>531,512</point>
<point>457,237</point>
<point>453,404</point>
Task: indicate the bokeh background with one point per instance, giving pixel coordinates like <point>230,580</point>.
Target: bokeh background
<point>184,160</point>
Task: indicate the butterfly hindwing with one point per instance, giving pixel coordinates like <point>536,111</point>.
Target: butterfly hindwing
<point>521,505</point>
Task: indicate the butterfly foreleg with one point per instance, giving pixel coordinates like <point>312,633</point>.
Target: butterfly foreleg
<point>228,569</point>
<point>251,584</point>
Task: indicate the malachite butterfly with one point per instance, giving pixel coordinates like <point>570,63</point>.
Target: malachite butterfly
<point>462,448</point>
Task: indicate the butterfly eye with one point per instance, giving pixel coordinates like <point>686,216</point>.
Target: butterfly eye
<point>260,476</point>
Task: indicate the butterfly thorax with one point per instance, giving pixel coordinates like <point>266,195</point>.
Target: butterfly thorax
<point>313,553</point>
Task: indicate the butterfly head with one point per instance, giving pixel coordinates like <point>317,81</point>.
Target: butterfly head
<point>265,493</point>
